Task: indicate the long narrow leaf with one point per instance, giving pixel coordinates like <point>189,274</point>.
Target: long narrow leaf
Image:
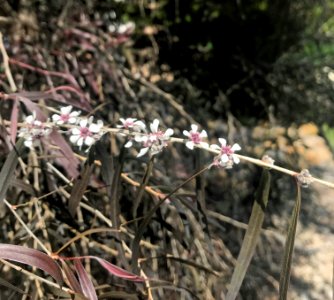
<point>79,189</point>
<point>288,251</point>
<point>119,272</point>
<point>142,186</point>
<point>9,167</point>
<point>111,268</point>
<point>85,282</point>
<point>251,237</point>
<point>32,258</point>
<point>73,282</point>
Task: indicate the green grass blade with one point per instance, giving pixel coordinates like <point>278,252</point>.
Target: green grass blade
<point>9,167</point>
<point>288,251</point>
<point>251,237</point>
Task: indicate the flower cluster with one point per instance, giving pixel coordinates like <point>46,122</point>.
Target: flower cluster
<point>84,132</point>
<point>33,131</point>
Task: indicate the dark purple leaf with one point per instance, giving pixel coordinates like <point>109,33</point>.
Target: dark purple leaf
<point>117,271</point>
<point>79,189</point>
<point>85,282</point>
<point>32,258</point>
<point>111,268</point>
<point>73,282</point>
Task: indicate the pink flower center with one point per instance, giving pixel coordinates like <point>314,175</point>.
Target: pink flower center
<point>65,117</point>
<point>128,124</point>
<point>195,137</point>
<point>85,132</point>
<point>154,138</point>
<point>226,150</point>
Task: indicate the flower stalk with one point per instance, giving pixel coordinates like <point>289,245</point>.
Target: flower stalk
<point>84,133</point>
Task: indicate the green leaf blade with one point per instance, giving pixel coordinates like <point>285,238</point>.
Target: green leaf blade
<point>252,235</point>
<point>288,251</point>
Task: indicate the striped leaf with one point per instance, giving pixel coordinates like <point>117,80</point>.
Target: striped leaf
<point>251,237</point>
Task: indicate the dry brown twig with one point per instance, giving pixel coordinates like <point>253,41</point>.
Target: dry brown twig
<point>6,65</point>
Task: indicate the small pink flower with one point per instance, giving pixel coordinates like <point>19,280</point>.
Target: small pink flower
<point>154,141</point>
<point>226,158</point>
<point>87,133</point>
<point>66,116</point>
<point>33,131</point>
<point>195,137</point>
<point>132,123</point>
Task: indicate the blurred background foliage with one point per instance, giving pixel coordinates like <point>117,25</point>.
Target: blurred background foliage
<point>256,59</point>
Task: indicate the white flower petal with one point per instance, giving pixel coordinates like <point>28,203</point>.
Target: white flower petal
<point>190,145</point>
<point>224,158</point>
<point>66,109</point>
<point>203,134</point>
<point>74,138</point>
<point>76,131</point>
<point>83,122</point>
<point>89,141</point>
<point>74,114</point>
<point>194,127</point>
<point>168,132</point>
<point>55,118</point>
<point>94,128</point>
<point>128,144</point>
<point>222,142</point>
<point>140,124</point>
<point>236,147</point>
<point>72,120</point>
<point>80,141</point>
<point>236,159</point>
<point>154,126</point>
<point>186,133</point>
<point>142,152</point>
